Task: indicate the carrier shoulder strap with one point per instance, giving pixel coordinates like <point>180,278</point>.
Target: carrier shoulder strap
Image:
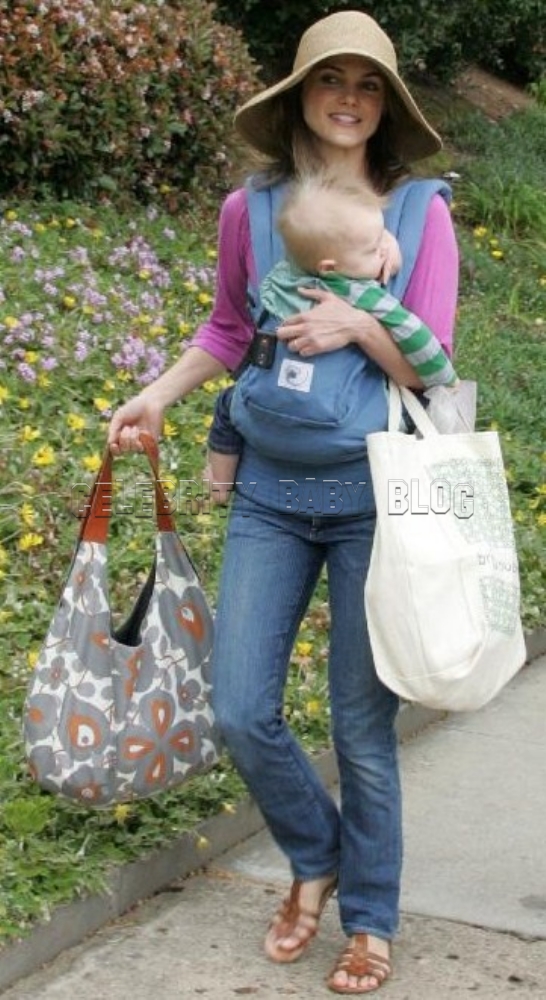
<point>267,243</point>
<point>405,217</point>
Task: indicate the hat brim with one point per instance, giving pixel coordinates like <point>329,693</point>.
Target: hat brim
<point>413,136</point>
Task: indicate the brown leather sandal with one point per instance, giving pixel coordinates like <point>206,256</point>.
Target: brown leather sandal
<point>358,961</point>
<point>292,920</point>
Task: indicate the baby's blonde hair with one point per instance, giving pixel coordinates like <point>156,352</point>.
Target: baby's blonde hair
<point>311,221</point>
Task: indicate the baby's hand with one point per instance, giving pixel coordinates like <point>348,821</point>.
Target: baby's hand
<point>392,257</point>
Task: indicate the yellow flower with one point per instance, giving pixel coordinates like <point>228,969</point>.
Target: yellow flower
<point>165,189</point>
<point>28,514</point>
<point>313,707</point>
<point>121,813</point>
<point>157,331</point>
<point>44,455</point>
<point>303,648</point>
<point>3,556</point>
<point>190,286</point>
<point>542,489</point>
<point>4,394</point>
<point>5,615</point>
<point>31,357</point>
<point>29,433</point>
<point>101,403</point>
<point>39,227</point>
<point>144,274</point>
<point>541,520</point>
<point>497,254</point>
<point>169,429</point>
<point>480,231</point>
<point>108,385</point>
<point>207,420</point>
<point>199,439</point>
<point>43,380</point>
<point>212,253</point>
<point>69,301</point>
<point>70,223</point>
<point>204,298</point>
<point>210,386</point>
<point>54,223</point>
<point>11,322</point>
<point>11,215</point>
<point>23,403</point>
<point>168,483</point>
<point>123,376</point>
<point>30,540</point>
<point>87,309</point>
<point>32,658</point>
<point>184,328</point>
<point>92,462</point>
<point>144,319</point>
<point>75,422</point>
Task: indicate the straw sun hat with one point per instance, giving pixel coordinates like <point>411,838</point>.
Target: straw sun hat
<point>347,33</point>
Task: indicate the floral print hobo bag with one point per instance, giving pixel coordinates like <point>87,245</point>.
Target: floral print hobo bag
<point>115,715</point>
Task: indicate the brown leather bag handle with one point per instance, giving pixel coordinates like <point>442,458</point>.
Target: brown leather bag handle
<point>98,508</point>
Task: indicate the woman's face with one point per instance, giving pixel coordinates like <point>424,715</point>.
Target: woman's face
<point>343,99</point>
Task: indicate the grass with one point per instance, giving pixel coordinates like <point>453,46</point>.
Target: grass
<point>94,303</point>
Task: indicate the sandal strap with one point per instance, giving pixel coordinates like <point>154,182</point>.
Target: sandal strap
<point>358,961</point>
<point>291,916</point>
<point>293,920</point>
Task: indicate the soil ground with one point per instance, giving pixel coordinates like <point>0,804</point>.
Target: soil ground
<point>495,97</point>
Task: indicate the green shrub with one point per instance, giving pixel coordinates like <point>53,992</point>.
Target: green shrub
<point>430,35</point>
<point>117,96</point>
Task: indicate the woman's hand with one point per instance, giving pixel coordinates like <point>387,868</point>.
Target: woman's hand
<point>130,420</point>
<point>329,325</point>
<point>334,323</point>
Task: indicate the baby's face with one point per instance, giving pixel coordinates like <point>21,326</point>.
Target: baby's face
<point>364,248</point>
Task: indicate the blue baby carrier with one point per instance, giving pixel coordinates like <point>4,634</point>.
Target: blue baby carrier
<point>318,409</point>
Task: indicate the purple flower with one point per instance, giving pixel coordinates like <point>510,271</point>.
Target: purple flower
<point>26,372</point>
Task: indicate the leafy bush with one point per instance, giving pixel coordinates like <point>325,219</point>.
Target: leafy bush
<point>118,96</point>
<point>429,35</point>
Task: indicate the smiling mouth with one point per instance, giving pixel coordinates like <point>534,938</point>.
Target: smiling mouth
<point>341,119</point>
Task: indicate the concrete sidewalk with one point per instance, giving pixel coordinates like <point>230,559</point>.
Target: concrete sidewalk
<point>474,888</point>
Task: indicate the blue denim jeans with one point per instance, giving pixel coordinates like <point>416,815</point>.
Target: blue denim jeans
<point>271,567</point>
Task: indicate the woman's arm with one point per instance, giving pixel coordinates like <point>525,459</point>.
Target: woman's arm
<point>221,342</point>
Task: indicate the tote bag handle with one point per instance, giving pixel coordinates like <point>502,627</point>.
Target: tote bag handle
<point>398,395</point>
<point>98,509</point>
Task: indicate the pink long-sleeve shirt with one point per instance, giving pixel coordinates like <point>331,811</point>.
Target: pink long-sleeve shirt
<point>431,293</point>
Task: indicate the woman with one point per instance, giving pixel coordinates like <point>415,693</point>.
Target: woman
<point>344,109</point>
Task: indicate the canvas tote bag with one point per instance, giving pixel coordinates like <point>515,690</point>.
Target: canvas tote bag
<point>442,595</point>
<point>114,715</point>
